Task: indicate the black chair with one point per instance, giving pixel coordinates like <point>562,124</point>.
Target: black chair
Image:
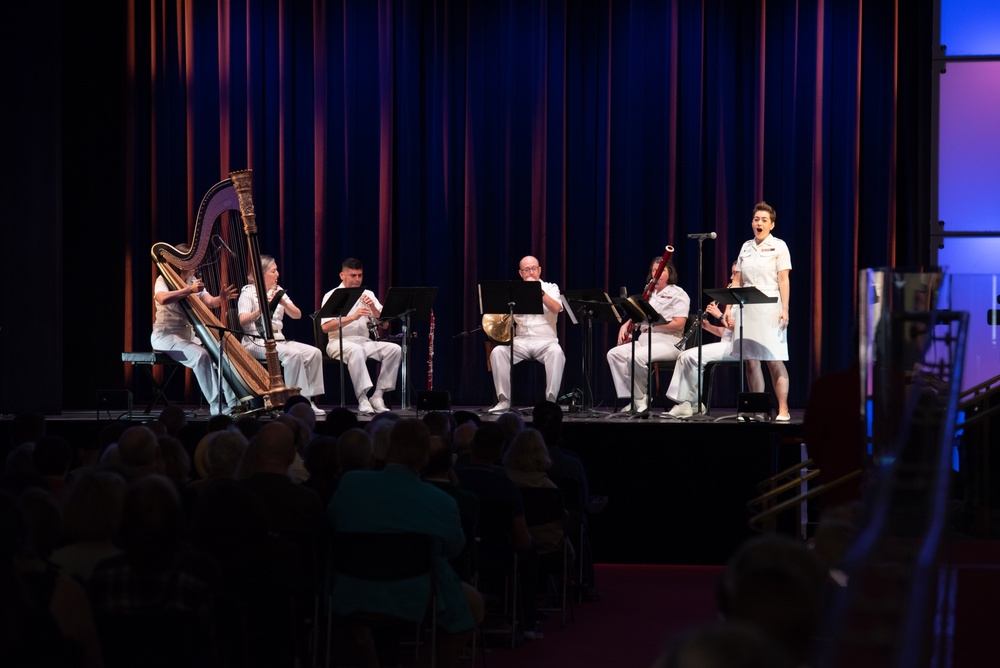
<point>708,380</point>
<point>545,505</point>
<point>320,340</point>
<point>380,558</point>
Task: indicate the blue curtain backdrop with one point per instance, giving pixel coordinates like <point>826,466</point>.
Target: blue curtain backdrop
<point>441,141</point>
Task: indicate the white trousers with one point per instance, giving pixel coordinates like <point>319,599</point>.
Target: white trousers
<point>684,382</point>
<point>620,361</point>
<point>357,351</point>
<point>184,347</point>
<point>302,364</point>
<point>542,348</point>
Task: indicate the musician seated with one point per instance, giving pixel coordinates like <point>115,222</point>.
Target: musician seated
<point>173,334</point>
<point>302,363</point>
<point>672,303</point>
<point>535,339</point>
<point>358,325</point>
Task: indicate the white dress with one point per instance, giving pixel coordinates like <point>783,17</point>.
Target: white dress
<point>758,265</point>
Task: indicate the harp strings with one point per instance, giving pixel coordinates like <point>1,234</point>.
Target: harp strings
<point>227,262</point>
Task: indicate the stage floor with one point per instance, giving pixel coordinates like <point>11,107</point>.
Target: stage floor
<point>677,489</point>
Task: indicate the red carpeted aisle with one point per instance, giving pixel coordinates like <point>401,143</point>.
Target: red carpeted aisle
<point>641,607</point>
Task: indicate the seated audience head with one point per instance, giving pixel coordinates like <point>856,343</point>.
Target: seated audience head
<point>273,448</point>
<point>354,451</point>
<point>223,452</point>
<point>461,417</point>
<point>339,420</point>
<point>776,584</point>
<point>512,424</point>
<point>462,438</point>
<point>93,508</point>
<point>409,444</point>
<point>321,457</point>
<point>300,431</point>
<point>441,459</point>
<point>248,425</point>
<point>305,413</point>
<point>176,461</point>
<point>138,449</point>
<point>527,452</point>
<point>219,422</point>
<point>547,417</point>
<point>723,645</point>
<point>295,400</point>
<point>173,418</point>
<point>152,523</point>
<point>441,423</point>
<point>488,443</point>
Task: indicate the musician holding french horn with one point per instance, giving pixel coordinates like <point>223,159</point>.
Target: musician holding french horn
<point>535,339</point>
<point>358,345</point>
<point>672,303</point>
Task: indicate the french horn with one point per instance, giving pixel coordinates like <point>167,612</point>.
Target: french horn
<point>497,327</point>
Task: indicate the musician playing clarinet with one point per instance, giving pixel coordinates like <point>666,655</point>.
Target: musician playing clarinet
<point>684,383</point>
<point>672,303</point>
<point>359,346</point>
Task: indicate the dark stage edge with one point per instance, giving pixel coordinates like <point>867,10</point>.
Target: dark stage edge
<point>677,490</point>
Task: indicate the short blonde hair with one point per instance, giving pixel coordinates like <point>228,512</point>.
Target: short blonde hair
<point>527,452</point>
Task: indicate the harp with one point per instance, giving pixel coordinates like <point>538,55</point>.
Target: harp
<point>225,250</point>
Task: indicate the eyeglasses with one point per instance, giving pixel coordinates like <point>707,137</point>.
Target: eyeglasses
<point>529,270</point>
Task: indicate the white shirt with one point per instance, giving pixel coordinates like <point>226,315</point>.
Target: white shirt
<point>540,324</point>
<point>358,327</point>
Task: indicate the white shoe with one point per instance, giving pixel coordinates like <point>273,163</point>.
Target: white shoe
<point>316,409</point>
<point>364,407</point>
<point>502,407</point>
<point>681,410</point>
<point>378,405</point>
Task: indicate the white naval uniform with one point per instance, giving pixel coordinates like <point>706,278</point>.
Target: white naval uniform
<point>302,363</point>
<point>684,382</point>
<point>671,302</point>
<point>173,334</point>
<point>359,347</point>
<point>534,339</point>
<point>758,265</point>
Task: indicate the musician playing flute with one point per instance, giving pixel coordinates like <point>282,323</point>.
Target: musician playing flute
<point>536,339</point>
<point>684,383</point>
<point>359,326</point>
<point>672,303</point>
<point>302,363</point>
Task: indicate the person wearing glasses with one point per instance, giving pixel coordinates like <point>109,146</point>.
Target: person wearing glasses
<point>535,339</point>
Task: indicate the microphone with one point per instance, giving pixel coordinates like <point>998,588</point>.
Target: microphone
<point>623,292</point>
<point>703,235</point>
<point>223,244</point>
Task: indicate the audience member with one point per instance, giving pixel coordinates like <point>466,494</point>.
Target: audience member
<point>776,584</point>
<point>45,618</point>
<point>723,645</point>
<point>502,529</point>
<point>51,459</point>
<point>512,424</point>
<point>320,461</point>
<point>91,517</point>
<point>396,499</point>
<point>139,452</point>
<point>439,472</point>
<point>173,418</point>
<point>154,603</point>
<point>339,420</point>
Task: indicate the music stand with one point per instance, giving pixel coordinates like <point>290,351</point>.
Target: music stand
<point>406,304</point>
<point>338,305</point>
<point>524,297</point>
<point>640,312</point>
<point>591,305</point>
<point>748,295</point>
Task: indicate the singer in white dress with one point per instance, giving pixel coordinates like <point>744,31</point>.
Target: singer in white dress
<point>764,263</point>
<point>302,363</point>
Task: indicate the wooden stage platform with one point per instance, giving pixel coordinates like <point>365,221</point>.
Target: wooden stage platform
<point>677,489</point>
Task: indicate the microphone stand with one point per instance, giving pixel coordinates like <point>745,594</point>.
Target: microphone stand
<point>701,412</point>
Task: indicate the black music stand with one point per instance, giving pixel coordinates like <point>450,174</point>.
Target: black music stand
<point>406,304</point>
<point>591,305</point>
<point>640,312</point>
<point>524,297</point>
<point>748,295</point>
<point>338,305</point>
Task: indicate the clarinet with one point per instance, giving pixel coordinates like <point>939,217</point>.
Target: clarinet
<point>680,345</point>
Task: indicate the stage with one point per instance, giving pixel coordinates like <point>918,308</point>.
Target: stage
<point>677,489</point>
